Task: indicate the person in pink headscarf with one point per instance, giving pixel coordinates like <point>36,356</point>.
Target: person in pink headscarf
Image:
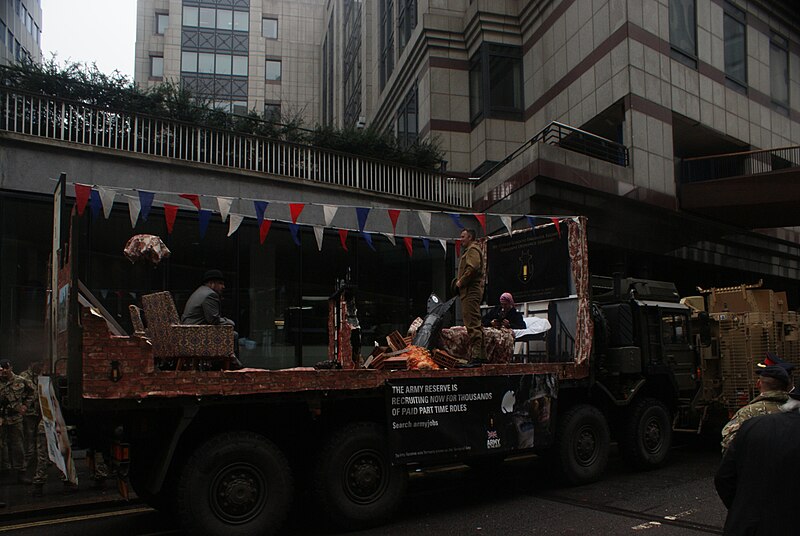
<point>504,315</point>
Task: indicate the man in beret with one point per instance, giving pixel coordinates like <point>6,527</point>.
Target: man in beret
<point>773,387</point>
<point>204,306</point>
<point>759,471</point>
<point>773,360</point>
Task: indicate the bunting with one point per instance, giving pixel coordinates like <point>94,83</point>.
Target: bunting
<point>393,215</point>
<point>443,243</point>
<point>203,217</point>
<point>427,245</point>
<point>294,230</point>
<point>234,222</point>
<point>409,245</point>
<point>458,249</point>
<point>261,207</point>
<point>368,239</point>
<point>425,219</point>
<point>343,238</point>
<point>390,238</point>
<point>295,209</point>
<point>146,200</point>
<point>95,203</point>
<point>224,204</point>
<point>507,222</point>
<point>319,232</point>
<point>263,230</point>
<point>456,219</point>
<point>557,222</point>
<point>82,193</point>
<point>170,212</point>
<point>329,212</point>
<point>134,207</point>
<point>194,198</point>
<point>107,196</point>
<point>482,220</point>
<point>362,214</point>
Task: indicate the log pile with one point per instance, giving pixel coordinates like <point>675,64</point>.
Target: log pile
<point>400,354</point>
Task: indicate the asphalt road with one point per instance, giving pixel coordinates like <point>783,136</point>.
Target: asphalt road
<point>516,499</point>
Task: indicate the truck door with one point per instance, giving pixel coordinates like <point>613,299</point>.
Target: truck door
<point>678,353</point>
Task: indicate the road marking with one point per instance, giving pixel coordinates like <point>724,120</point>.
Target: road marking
<point>648,525</point>
<point>62,520</point>
<point>680,515</point>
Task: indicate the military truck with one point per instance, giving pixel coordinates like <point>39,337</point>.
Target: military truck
<point>223,450</point>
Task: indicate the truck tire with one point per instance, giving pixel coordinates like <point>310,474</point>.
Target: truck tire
<point>234,484</point>
<point>354,481</point>
<point>582,444</point>
<point>647,434</point>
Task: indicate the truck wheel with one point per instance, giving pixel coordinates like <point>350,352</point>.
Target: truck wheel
<point>236,483</point>
<point>355,482</point>
<point>647,436</point>
<point>582,444</point>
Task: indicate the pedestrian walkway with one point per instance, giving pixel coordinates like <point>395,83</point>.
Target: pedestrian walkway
<point>21,502</point>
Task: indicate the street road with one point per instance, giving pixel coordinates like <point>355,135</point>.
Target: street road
<point>678,499</point>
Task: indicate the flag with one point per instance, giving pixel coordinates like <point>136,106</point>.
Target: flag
<point>170,212</point>
<point>456,219</point>
<point>557,223</point>
<point>146,199</point>
<point>361,214</point>
<point>427,245</point>
<point>443,243</point>
<point>482,220</point>
<point>531,221</point>
<point>458,248</point>
<point>95,203</point>
<point>263,230</point>
<point>393,215</point>
<point>368,239</point>
<point>319,232</point>
<point>203,217</point>
<point>507,222</point>
<point>224,206</point>
<point>194,198</point>
<point>343,238</point>
<point>425,219</point>
<point>107,196</point>
<point>294,229</point>
<point>329,212</point>
<point>133,209</point>
<point>296,209</point>
<point>409,242</point>
<point>82,193</point>
<point>234,222</point>
<point>261,207</point>
<point>390,238</point>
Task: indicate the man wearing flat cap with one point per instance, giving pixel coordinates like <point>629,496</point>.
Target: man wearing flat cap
<point>773,384</point>
<point>204,306</point>
<point>758,476</point>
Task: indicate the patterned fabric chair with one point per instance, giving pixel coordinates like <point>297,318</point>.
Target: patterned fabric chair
<point>499,343</point>
<point>136,320</point>
<point>173,340</point>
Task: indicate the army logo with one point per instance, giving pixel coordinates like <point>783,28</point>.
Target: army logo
<point>525,269</point>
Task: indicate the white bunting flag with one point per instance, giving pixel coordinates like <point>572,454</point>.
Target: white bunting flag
<point>390,238</point>
<point>443,242</point>
<point>107,196</point>
<point>224,206</point>
<point>234,223</point>
<point>318,232</point>
<point>134,206</point>
<point>425,218</point>
<point>507,222</point>
<point>330,212</point>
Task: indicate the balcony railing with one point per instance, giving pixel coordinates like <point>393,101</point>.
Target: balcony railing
<point>573,139</point>
<point>739,164</point>
<point>57,119</point>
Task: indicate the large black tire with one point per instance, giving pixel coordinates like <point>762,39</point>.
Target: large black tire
<point>582,444</point>
<point>647,434</point>
<point>354,481</point>
<point>235,484</point>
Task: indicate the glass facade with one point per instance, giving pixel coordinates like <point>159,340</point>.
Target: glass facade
<point>735,44</point>
<point>276,292</point>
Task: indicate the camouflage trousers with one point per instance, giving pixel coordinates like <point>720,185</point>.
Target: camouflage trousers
<point>42,458</point>
<point>30,425</point>
<point>12,439</point>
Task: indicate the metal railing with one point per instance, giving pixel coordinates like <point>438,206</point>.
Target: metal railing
<point>722,166</point>
<point>573,139</point>
<point>58,119</point>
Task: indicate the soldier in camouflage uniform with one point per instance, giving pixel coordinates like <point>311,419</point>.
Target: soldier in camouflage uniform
<point>16,395</point>
<point>773,385</point>
<point>30,421</point>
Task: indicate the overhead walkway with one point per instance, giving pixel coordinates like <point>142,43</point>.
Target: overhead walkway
<point>753,189</point>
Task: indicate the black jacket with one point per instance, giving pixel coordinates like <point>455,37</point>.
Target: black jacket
<point>513,316</point>
<point>758,473</point>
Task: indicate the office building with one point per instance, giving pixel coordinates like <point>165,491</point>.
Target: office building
<point>20,31</point>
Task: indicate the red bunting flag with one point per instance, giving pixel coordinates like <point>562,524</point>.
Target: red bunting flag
<point>170,212</point>
<point>343,238</point>
<point>393,215</point>
<point>82,193</point>
<point>558,225</point>
<point>409,242</point>
<point>458,248</point>
<point>194,198</point>
<point>482,220</point>
<point>296,209</point>
<point>263,230</point>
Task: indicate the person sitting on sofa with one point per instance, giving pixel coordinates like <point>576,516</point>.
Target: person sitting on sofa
<point>504,315</point>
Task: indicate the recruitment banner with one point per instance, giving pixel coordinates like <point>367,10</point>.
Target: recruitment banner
<point>58,447</point>
<point>441,419</point>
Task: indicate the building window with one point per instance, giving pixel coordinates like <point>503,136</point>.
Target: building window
<point>205,63</point>
<point>406,22</point>
<point>351,64</point>
<point>207,17</point>
<point>240,107</point>
<point>407,124</point>
<point>683,30</point>
<point>269,28</point>
<point>273,70</point>
<point>156,66</point>
<point>779,69</point>
<point>239,66</point>
<point>241,21</point>
<point>162,21</point>
<point>386,40</point>
<point>224,19</point>
<point>190,16</point>
<point>735,45</point>
<point>189,62</point>
<point>496,83</point>
<point>223,65</point>
<point>272,111</point>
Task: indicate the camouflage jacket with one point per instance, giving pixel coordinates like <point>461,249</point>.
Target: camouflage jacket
<point>33,379</point>
<point>763,404</point>
<point>14,393</point>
